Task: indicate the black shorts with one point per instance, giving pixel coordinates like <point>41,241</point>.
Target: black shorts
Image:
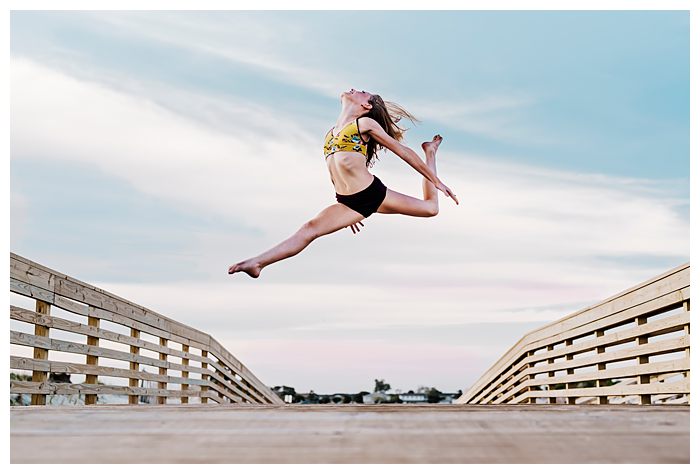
<point>367,201</point>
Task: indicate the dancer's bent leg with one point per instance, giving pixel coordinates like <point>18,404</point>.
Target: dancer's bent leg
<point>398,203</point>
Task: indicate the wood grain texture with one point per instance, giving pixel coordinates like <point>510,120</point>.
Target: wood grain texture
<point>350,434</point>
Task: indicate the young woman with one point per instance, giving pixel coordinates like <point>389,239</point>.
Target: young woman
<point>365,123</point>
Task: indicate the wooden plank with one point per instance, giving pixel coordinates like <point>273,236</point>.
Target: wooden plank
<point>162,370</point>
<point>653,368</point>
<point>237,386</point>
<point>31,291</point>
<point>144,328</point>
<point>602,400</point>
<point>613,390</point>
<point>185,373</point>
<point>27,363</point>
<point>134,366</point>
<point>342,434</point>
<point>657,327</point>
<point>24,339</point>
<point>203,399</point>
<point>31,274</point>
<point>91,379</point>
<point>70,305</point>
<point>48,388</point>
<point>211,395</point>
<point>25,315</point>
<point>39,376</point>
<point>643,359</point>
<point>262,393</point>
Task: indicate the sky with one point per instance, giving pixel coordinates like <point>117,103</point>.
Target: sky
<point>151,150</point>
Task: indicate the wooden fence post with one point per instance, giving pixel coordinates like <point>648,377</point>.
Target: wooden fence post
<point>204,388</point>
<point>550,374</point>
<point>134,399</point>
<point>528,378</point>
<point>162,371</point>
<point>43,354</point>
<point>185,373</point>
<point>602,400</point>
<point>686,374</point>
<point>570,400</point>
<point>91,398</point>
<point>644,359</point>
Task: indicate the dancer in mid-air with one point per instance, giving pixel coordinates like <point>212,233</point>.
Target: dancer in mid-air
<point>366,122</point>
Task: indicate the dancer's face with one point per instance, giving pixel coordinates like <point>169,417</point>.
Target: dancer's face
<point>357,97</point>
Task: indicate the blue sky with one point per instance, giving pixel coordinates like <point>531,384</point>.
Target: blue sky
<point>151,150</point>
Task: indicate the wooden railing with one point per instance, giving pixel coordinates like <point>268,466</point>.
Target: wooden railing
<point>631,348</point>
<point>139,353</point>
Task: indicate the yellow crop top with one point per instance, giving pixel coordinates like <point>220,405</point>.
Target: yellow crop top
<point>349,139</point>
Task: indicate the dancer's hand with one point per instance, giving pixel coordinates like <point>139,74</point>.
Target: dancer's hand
<point>354,227</point>
<point>448,192</point>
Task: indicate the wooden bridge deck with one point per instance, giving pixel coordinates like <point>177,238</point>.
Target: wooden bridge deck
<point>425,433</point>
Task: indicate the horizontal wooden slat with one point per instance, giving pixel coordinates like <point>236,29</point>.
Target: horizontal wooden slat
<point>658,327</point>
<point>26,363</point>
<point>49,388</point>
<point>637,389</point>
<point>31,274</point>
<point>144,328</point>
<point>214,396</point>
<point>31,340</point>
<point>21,314</point>
<point>26,289</point>
<point>266,394</point>
<point>652,368</point>
<point>68,304</point>
<point>650,349</point>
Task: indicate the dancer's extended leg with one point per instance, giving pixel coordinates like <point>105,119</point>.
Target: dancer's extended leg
<point>333,218</point>
<point>397,203</point>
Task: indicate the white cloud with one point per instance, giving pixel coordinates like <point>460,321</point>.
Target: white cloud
<point>19,205</point>
<point>272,51</point>
<point>498,117</point>
<point>166,154</point>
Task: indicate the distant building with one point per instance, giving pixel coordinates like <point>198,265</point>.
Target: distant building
<point>411,397</point>
<point>376,397</point>
<point>288,394</point>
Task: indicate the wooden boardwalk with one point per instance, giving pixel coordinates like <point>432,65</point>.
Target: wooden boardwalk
<point>425,433</point>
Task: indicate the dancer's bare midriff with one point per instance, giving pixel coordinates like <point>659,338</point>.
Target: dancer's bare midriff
<point>348,171</point>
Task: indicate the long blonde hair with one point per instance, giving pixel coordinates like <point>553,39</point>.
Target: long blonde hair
<point>387,114</point>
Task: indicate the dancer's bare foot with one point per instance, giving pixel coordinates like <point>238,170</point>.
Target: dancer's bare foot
<point>432,146</point>
<point>249,266</point>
